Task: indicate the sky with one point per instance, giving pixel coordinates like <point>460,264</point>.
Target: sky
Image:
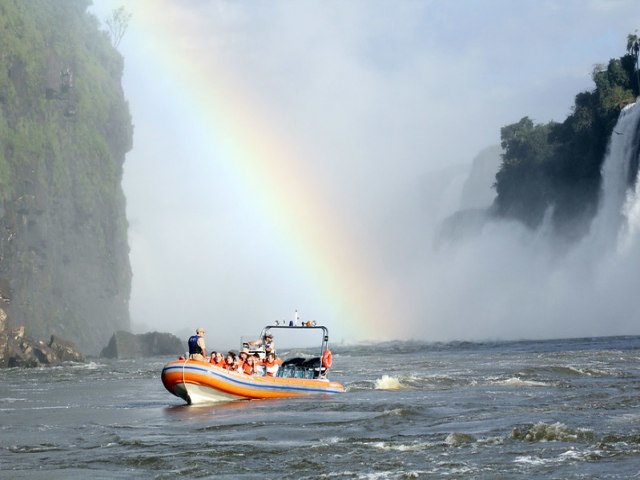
<point>300,155</point>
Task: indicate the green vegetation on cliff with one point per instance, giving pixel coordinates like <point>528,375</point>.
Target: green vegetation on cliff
<point>556,166</point>
<point>65,128</point>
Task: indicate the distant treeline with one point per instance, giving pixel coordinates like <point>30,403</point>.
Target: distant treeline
<point>558,164</point>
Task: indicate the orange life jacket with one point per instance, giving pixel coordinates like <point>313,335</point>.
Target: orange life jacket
<point>221,363</point>
<point>272,367</point>
<point>248,369</point>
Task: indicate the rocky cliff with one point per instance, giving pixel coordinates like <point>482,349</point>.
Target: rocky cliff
<point>64,130</point>
<point>18,350</point>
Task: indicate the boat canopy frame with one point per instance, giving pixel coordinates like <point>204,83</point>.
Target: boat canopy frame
<point>325,333</point>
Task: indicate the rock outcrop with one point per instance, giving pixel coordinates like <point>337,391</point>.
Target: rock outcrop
<point>128,345</point>
<point>18,350</point>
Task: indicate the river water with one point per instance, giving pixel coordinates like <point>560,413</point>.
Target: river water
<point>565,409</point>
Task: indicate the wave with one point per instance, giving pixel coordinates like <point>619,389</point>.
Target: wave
<point>573,371</point>
<point>612,438</point>
<point>519,382</point>
<point>388,383</point>
<point>457,439</point>
<point>401,447</point>
<point>385,382</point>
<point>412,381</point>
<point>12,400</point>
<point>552,432</point>
<point>532,460</point>
<point>560,345</point>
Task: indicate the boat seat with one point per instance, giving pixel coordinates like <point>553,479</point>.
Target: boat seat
<point>296,361</point>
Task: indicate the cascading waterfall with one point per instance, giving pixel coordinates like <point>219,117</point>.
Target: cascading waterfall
<point>619,213</point>
<point>631,208</point>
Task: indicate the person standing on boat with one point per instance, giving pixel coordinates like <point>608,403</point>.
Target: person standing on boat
<point>197,349</point>
<point>267,341</point>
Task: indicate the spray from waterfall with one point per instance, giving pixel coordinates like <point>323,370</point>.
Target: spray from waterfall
<point>506,281</point>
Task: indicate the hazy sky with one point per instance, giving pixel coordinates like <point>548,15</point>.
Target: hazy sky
<point>356,105</point>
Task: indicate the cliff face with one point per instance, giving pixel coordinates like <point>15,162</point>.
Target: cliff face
<point>64,131</point>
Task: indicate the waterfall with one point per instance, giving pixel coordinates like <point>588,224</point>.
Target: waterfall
<point>510,282</point>
<point>619,211</point>
<point>631,209</point>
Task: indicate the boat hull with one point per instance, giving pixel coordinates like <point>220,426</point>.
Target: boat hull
<point>199,382</point>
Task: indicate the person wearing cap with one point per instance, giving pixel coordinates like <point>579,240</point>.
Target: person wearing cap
<point>267,341</point>
<point>197,349</point>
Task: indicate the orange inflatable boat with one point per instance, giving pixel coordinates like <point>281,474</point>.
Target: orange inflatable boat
<point>197,382</point>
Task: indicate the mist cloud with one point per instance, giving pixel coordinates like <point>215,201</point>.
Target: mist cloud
<point>381,97</point>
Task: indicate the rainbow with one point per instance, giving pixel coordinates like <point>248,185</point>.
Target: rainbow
<point>219,105</point>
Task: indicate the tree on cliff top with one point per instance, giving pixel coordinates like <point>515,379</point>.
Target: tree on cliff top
<point>555,167</point>
<point>118,22</point>
<point>633,49</point>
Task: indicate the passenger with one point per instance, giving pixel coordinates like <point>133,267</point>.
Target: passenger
<point>248,367</point>
<point>237,365</point>
<point>267,341</point>
<point>218,360</point>
<point>230,360</point>
<point>272,364</point>
<point>212,358</point>
<point>242,358</point>
<point>197,349</point>
<point>258,365</point>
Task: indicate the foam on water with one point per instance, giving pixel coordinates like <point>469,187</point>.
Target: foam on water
<point>531,460</point>
<point>519,382</point>
<point>388,383</point>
